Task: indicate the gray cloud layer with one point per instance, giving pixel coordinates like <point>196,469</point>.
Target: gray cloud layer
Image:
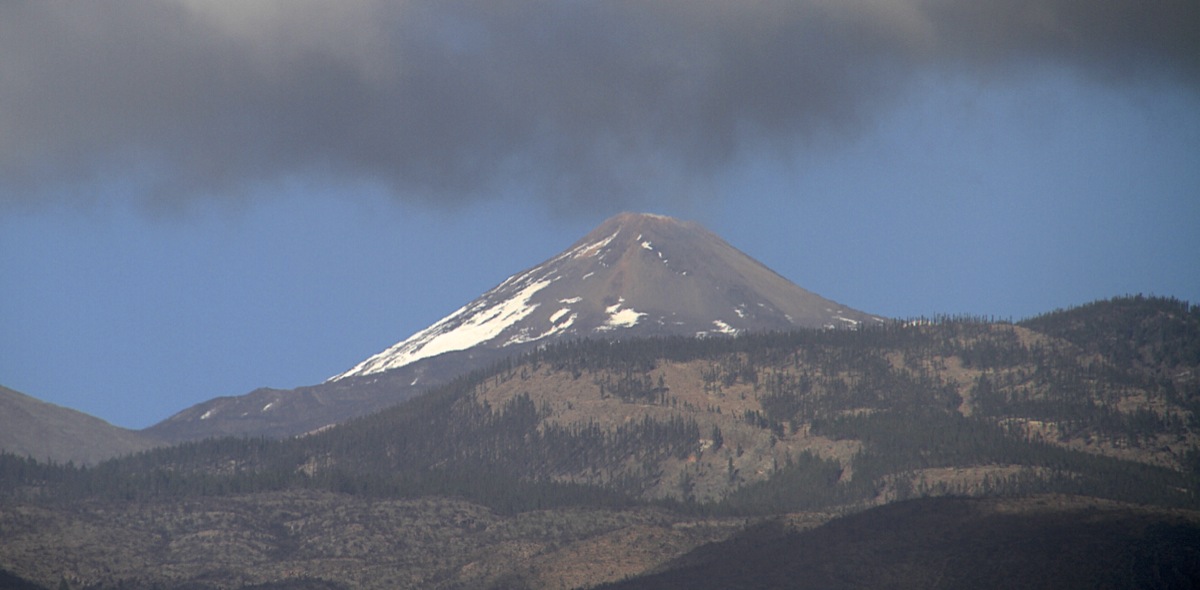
<point>447,100</point>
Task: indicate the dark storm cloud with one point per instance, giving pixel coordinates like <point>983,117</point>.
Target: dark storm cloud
<point>448,100</point>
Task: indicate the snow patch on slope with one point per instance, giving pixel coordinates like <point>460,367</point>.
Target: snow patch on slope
<point>555,329</point>
<point>620,318</point>
<point>625,318</point>
<point>588,250</point>
<point>469,326</point>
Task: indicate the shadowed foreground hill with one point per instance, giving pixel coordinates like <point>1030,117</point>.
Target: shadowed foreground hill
<point>10,581</point>
<point>1044,542</point>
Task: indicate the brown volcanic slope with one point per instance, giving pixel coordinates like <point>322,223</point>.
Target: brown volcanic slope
<point>634,275</point>
<point>30,427</point>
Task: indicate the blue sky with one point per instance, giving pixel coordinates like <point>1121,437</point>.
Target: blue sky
<point>138,282</point>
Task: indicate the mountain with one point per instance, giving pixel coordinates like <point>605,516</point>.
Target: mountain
<point>30,427</point>
<point>636,275</point>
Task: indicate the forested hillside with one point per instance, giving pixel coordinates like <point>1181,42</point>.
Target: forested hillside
<point>1101,400</point>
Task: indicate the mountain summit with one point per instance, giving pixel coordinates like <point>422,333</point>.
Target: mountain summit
<point>634,275</point>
